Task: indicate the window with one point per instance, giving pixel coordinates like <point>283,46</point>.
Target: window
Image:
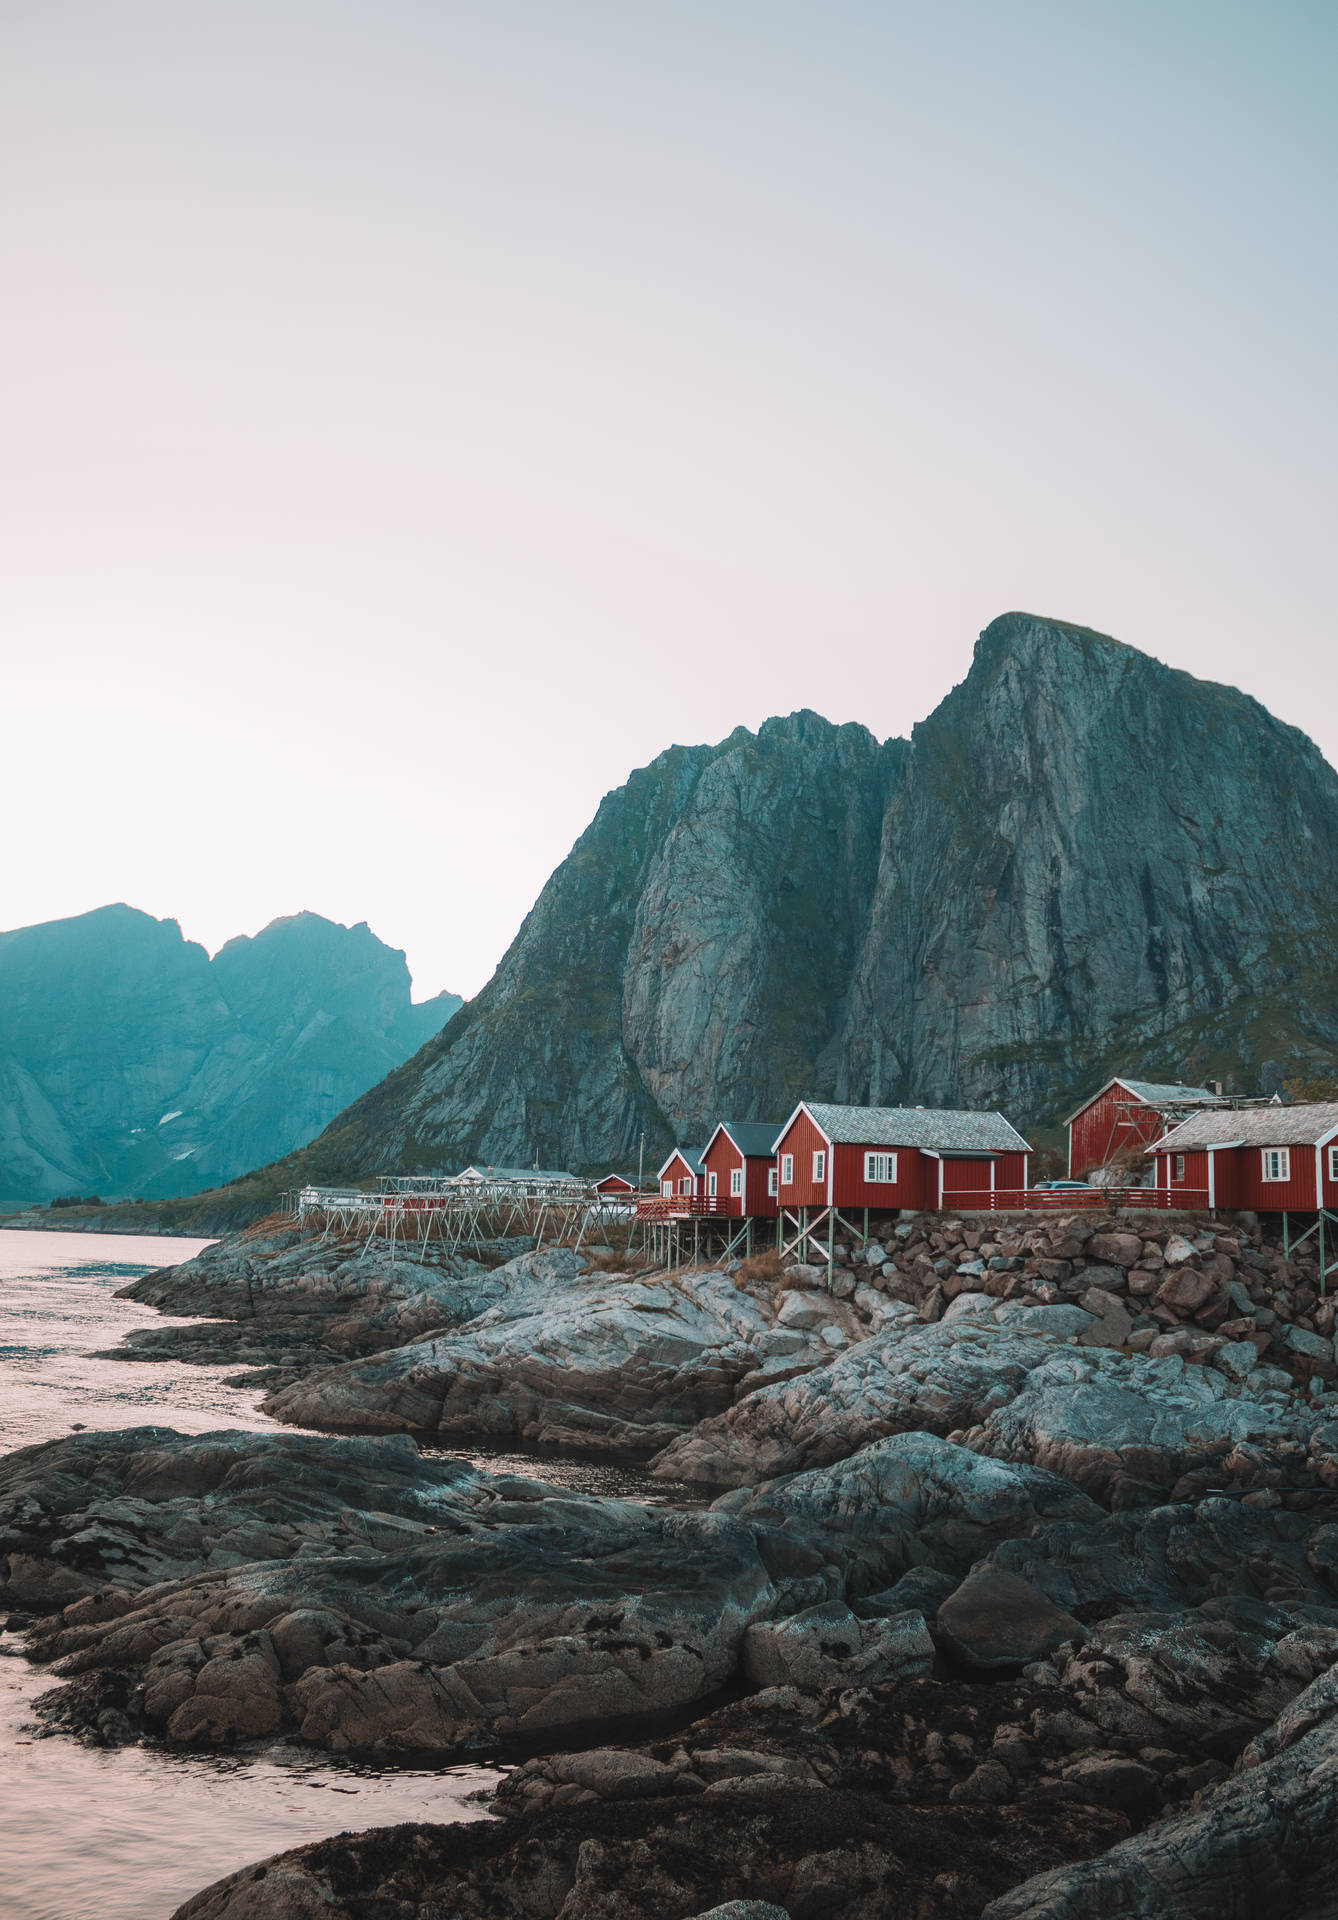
<point>1177,1166</point>
<point>1277,1163</point>
<point>820,1164</point>
<point>710,1185</point>
<point>685,1185</point>
<point>736,1181</point>
<point>1333,1163</point>
<point>787,1170</point>
<point>880,1169</point>
<point>771,1182</point>
<point>667,1189</point>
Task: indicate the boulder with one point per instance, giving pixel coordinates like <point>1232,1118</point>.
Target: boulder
<point>995,1622</point>
<point>1186,1290</point>
<point>826,1646</point>
<point>1119,1249</point>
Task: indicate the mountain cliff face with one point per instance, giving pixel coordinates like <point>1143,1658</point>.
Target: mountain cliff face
<point>132,1064</point>
<point>1082,860</point>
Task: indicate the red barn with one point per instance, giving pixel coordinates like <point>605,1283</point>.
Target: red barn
<point>615,1185</point>
<point>740,1167</point>
<point>681,1173</point>
<point>892,1157</point>
<point>1272,1159</point>
<point>1128,1113</point>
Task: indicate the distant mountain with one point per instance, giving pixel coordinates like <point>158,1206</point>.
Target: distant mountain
<point>130,1063</point>
<point>1082,862</point>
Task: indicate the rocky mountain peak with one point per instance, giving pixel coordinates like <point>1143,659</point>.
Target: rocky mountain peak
<point>1082,861</point>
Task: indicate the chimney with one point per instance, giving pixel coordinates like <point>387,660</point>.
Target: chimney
<point>1215,1087</point>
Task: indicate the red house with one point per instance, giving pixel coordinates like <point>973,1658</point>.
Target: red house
<point>740,1168</point>
<point>1272,1159</point>
<point>680,1174</point>
<point>1128,1113</point>
<point>615,1185</point>
<point>891,1157</point>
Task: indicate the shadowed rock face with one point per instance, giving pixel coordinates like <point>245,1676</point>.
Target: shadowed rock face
<point>1048,881</point>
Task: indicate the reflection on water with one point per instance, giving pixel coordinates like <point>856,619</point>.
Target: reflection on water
<point>92,1834</point>
<point>57,1308</point>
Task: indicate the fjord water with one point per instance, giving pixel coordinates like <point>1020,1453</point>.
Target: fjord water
<point>97,1834</point>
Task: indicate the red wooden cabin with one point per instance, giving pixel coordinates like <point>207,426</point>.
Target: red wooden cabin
<point>680,1174</point>
<point>615,1185</point>
<point>1128,1113</point>
<point>892,1157</point>
<point>740,1167</point>
<point>1272,1159</point>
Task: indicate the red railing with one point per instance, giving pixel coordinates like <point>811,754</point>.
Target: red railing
<point>678,1206</point>
<point>1075,1199</point>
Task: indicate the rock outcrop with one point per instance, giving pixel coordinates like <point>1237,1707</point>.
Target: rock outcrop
<point>1048,882</point>
<point>597,1363</point>
<point>132,1064</point>
<point>220,1588</point>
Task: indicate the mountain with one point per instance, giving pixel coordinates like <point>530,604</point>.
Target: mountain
<point>130,1063</point>
<point>1082,861</point>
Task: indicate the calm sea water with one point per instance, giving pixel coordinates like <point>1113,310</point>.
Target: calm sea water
<point>93,1834</point>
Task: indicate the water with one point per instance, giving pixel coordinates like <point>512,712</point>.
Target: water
<point>97,1834</point>
<point>57,1309</point>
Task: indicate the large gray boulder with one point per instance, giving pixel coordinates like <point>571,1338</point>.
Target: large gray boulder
<point>995,1622</point>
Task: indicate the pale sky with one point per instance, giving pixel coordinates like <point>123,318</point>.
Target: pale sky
<point>415,415</point>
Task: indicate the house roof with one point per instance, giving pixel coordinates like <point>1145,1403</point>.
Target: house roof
<point>1152,1093</point>
<point>1310,1124</point>
<point>533,1175</point>
<point>626,1178</point>
<point>755,1139</point>
<point>692,1156</point>
<point>934,1129</point>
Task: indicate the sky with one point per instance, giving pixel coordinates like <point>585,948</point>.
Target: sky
<point>415,415</point>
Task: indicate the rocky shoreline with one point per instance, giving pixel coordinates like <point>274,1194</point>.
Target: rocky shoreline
<point>1016,1593</point>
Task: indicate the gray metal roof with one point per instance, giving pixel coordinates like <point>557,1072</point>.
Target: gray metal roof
<point>1304,1125</point>
<point>530,1174</point>
<point>1157,1093</point>
<point>1154,1093</point>
<point>936,1129</point>
<point>755,1139</point>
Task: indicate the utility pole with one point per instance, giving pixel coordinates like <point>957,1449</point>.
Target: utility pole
<point>641,1162</point>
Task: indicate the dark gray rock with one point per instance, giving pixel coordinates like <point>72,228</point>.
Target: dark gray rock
<point>995,1622</point>
<point>229,1575</point>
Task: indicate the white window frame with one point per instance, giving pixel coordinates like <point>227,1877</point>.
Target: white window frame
<point>1333,1161</point>
<point>1177,1166</point>
<point>736,1183</point>
<point>1275,1164</point>
<point>787,1170</point>
<point>685,1184</point>
<point>667,1189</point>
<point>711,1185</point>
<point>880,1169</point>
<point>819,1165</point>
<point>773,1180</point>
